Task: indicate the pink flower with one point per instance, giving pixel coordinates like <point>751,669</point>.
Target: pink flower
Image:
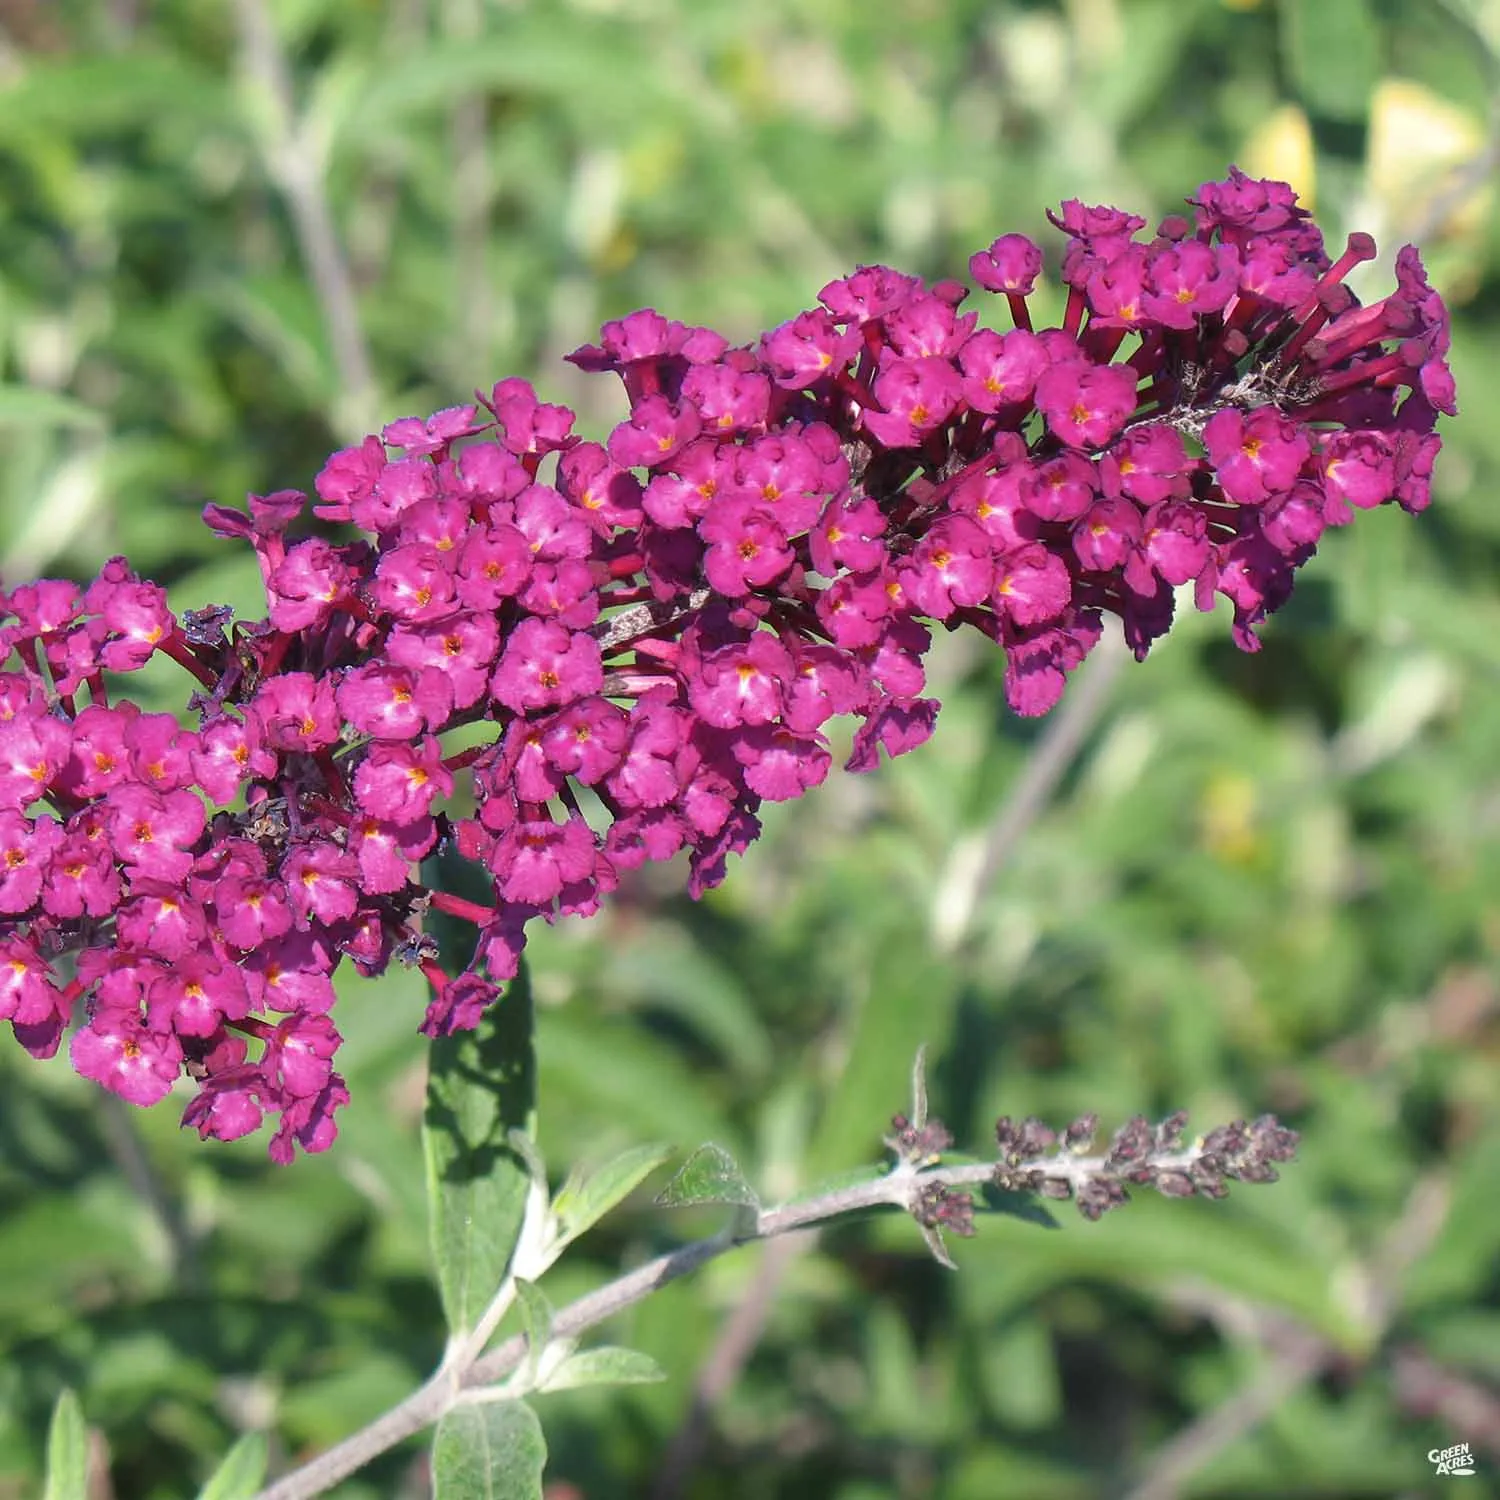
<point>154,833</point>
<point>545,665</point>
<point>296,711</point>
<point>33,752</point>
<point>780,765</point>
<point>1011,264</point>
<point>654,433</point>
<point>916,397</point>
<point>118,1050</point>
<point>533,861</point>
<point>1255,454</point>
<point>1086,405</point>
<point>952,568</point>
<point>800,353</point>
<point>747,549</point>
<point>741,684</point>
<point>391,702</point>
<point>1001,368</point>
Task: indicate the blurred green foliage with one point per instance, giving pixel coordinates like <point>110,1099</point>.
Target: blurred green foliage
<point>1262,883</point>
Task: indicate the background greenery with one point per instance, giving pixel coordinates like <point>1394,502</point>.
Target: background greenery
<point>234,235</point>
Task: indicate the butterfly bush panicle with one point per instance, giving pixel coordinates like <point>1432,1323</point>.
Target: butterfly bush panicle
<point>655,632</point>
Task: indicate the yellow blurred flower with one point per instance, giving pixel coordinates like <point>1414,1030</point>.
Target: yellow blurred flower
<point>1282,147</point>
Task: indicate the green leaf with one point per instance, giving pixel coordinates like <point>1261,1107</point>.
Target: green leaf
<point>525,1147</point>
<point>322,1406</point>
<point>585,1197</point>
<point>536,60</point>
<point>103,92</point>
<point>241,1473</point>
<point>1022,1378</point>
<point>67,1451</point>
<point>280,314</point>
<point>25,405</point>
<point>672,973</point>
<point>536,1320</point>
<point>937,1246</point>
<point>618,1074</point>
<point>837,1181</point>
<point>481,1085</point>
<point>709,1175</point>
<point>607,1365</point>
<point>1333,54</point>
<point>1024,1206</point>
<point>492,1450</point>
<point>909,1005</point>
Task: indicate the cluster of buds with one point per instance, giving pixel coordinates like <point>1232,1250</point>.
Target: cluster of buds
<point>562,658</point>
<point>1061,1165</point>
<point>1036,1159</point>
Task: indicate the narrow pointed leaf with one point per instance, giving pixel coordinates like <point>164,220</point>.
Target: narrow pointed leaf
<point>937,1246</point>
<point>709,1175</point>
<point>536,1320</point>
<point>67,1451</point>
<point>608,1365</point>
<point>586,1197</point>
<point>884,1029</point>
<point>493,1450</point>
<point>919,1087</point>
<point>241,1473</point>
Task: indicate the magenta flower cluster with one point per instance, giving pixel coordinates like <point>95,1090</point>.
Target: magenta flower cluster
<point>564,658</point>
